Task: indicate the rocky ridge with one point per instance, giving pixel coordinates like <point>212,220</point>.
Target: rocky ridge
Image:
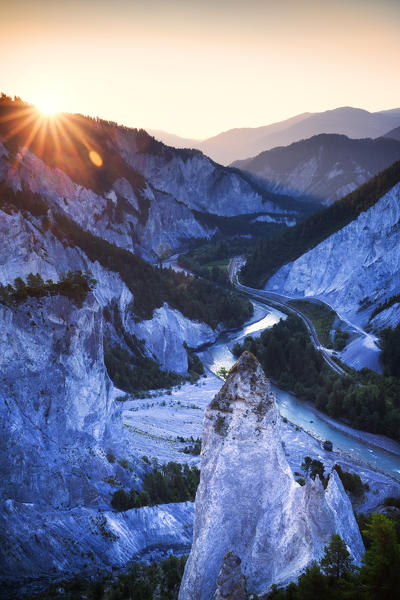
<point>248,502</point>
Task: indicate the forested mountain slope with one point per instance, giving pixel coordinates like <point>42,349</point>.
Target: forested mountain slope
<point>347,254</point>
<point>325,167</point>
<point>394,134</point>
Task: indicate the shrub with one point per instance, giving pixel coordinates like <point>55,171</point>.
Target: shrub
<point>165,484</point>
<point>392,501</point>
<point>352,482</point>
<point>220,425</point>
<point>110,456</point>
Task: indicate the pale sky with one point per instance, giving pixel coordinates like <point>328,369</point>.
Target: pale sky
<point>196,68</point>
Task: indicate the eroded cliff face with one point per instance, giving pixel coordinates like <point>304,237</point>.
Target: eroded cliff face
<point>165,334</point>
<point>61,445</point>
<point>57,413</point>
<point>142,220</point>
<point>26,248</point>
<point>196,181</point>
<point>145,197</point>
<point>248,502</point>
<point>360,261</point>
<point>40,544</point>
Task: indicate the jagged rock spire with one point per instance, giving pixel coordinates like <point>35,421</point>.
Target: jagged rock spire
<point>248,502</point>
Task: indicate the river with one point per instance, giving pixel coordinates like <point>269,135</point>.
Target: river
<point>300,413</point>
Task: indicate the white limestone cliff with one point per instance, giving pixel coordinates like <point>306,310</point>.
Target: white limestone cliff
<point>59,425</point>
<point>248,501</point>
<point>25,248</point>
<point>360,261</point>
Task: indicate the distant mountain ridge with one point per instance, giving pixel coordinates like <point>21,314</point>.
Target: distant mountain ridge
<point>324,167</point>
<point>171,139</point>
<point>242,143</point>
<point>394,134</point>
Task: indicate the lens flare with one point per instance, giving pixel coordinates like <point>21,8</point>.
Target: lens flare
<point>95,158</point>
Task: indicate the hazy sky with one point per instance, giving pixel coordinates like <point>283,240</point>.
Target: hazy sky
<point>196,68</point>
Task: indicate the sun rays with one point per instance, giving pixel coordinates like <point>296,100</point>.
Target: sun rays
<point>61,140</point>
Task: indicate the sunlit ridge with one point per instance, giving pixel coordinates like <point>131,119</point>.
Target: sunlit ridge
<point>58,136</point>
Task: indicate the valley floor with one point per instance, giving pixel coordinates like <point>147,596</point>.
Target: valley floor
<point>154,423</point>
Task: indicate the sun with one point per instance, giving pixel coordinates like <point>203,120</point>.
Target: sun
<point>48,106</point>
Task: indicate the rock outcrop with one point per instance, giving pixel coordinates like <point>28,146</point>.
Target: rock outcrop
<point>40,545</point>
<point>248,501</point>
<point>230,581</point>
<point>56,408</point>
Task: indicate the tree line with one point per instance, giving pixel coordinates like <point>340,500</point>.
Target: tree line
<point>364,399</point>
<point>335,577</point>
<point>167,483</point>
<point>75,285</point>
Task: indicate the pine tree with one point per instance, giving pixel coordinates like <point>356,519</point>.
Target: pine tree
<point>381,569</point>
<point>336,561</point>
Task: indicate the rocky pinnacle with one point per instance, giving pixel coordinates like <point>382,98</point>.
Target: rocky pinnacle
<point>248,504</point>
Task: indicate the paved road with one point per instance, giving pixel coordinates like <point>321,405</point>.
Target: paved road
<point>279,301</point>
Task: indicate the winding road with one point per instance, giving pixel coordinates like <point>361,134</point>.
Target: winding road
<point>280,302</point>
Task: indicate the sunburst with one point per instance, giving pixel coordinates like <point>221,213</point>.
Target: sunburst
<point>45,131</point>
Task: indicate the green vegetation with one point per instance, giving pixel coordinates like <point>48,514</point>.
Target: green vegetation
<point>196,299</point>
<point>135,373</point>
<point>387,304</point>
<point>340,339</point>
<point>392,501</point>
<point>211,259</point>
<point>365,399</point>
<point>223,372</point>
<point>74,285</point>
<point>336,561</point>
<point>391,351</point>
<point>352,483</point>
<point>314,467</point>
<point>321,316</point>
<point>221,425</point>
<point>335,577</point>
<point>142,581</point>
<point>166,483</point>
<point>274,252</point>
<point>195,366</point>
<point>194,448</point>
<point>242,225</point>
<point>110,456</point>
<point>132,370</point>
